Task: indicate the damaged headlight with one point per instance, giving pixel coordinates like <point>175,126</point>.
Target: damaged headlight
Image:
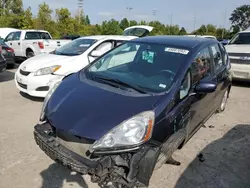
<point>46,100</point>
<point>131,132</point>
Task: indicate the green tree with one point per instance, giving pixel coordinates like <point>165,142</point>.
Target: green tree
<point>240,17</point>
<point>87,20</point>
<point>65,23</point>
<point>159,28</point>
<point>182,31</point>
<point>174,30</point>
<point>28,21</point>
<point>124,23</point>
<point>44,19</point>
<point>133,23</point>
<point>111,28</point>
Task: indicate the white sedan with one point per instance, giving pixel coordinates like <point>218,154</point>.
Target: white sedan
<point>37,75</point>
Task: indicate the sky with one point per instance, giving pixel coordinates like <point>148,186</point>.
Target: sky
<point>189,14</point>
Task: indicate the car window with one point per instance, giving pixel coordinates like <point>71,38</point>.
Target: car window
<point>104,47</point>
<point>217,56</point>
<point>185,86</point>
<point>241,38</point>
<point>10,36</point>
<point>224,53</point>
<point>75,47</point>
<point>152,67</point>
<point>201,65</point>
<point>119,42</point>
<point>17,35</point>
<point>33,35</point>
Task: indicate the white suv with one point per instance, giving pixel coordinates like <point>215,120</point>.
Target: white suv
<point>238,50</point>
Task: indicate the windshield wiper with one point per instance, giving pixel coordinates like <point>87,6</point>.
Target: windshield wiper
<point>113,81</point>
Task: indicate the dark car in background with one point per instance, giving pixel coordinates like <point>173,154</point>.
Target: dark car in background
<point>8,54</point>
<point>3,63</point>
<point>71,37</point>
<point>125,114</point>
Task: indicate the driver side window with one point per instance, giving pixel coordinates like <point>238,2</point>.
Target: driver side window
<point>185,86</point>
<point>9,37</point>
<point>104,47</point>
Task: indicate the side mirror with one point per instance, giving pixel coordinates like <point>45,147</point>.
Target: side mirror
<point>206,87</point>
<point>225,42</point>
<point>96,53</point>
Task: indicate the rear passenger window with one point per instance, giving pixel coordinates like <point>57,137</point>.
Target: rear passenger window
<point>201,65</point>
<point>17,35</point>
<point>217,56</point>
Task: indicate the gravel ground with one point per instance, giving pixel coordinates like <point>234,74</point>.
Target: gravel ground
<point>224,143</point>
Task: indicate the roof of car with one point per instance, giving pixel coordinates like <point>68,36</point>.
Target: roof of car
<point>184,41</point>
<point>101,37</point>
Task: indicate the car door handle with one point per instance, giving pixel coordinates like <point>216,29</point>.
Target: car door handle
<point>18,43</point>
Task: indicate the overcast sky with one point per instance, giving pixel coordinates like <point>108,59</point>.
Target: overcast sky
<point>183,11</point>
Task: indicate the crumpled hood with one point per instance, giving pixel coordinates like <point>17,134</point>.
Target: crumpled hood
<point>45,60</point>
<point>237,48</point>
<point>89,111</point>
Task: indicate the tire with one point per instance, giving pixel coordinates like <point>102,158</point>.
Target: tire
<point>29,54</point>
<point>10,66</point>
<point>223,102</point>
<point>169,147</point>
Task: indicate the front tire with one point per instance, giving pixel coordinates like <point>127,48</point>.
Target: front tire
<point>169,147</point>
<point>223,103</point>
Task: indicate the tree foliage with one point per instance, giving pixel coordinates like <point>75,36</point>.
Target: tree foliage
<point>12,14</point>
<point>240,17</point>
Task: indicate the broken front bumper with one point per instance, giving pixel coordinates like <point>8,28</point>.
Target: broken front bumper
<point>126,168</point>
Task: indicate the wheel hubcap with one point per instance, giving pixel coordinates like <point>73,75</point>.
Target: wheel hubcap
<point>224,101</point>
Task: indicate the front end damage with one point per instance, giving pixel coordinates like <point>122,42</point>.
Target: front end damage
<point>127,168</point>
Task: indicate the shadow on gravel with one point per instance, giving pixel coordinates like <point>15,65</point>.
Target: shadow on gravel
<point>226,163</point>
<point>241,84</point>
<point>55,175</point>
<point>6,76</point>
<point>35,99</point>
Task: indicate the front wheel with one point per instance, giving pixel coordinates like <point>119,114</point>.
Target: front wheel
<point>223,103</point>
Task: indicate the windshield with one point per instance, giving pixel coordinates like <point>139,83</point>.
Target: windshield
<point>33,35</point>
<point>151,67</point>
<point>76,47</point>
<point>241,38</point>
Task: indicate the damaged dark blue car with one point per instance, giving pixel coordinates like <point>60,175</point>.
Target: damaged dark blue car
<point>124,115</point>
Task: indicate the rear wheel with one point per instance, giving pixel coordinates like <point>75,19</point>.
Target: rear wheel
<point>29,54</point>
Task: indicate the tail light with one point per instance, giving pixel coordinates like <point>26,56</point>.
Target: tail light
<point>41,45</point>
<point>9,50</point>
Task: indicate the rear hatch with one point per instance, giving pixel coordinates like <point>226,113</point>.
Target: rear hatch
<point>138,31</point>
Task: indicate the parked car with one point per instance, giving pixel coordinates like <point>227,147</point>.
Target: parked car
<point>28,43</point>
<point>125,114</point>
<point>3,63</point>
<point>37,75</point>
<point>8,54</point>
<point>71,37</point>
<point>238,49</point>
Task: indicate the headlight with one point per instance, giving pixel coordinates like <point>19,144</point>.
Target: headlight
<point>131,132</point>
<point>47,70</point>
<point>46,100</point>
